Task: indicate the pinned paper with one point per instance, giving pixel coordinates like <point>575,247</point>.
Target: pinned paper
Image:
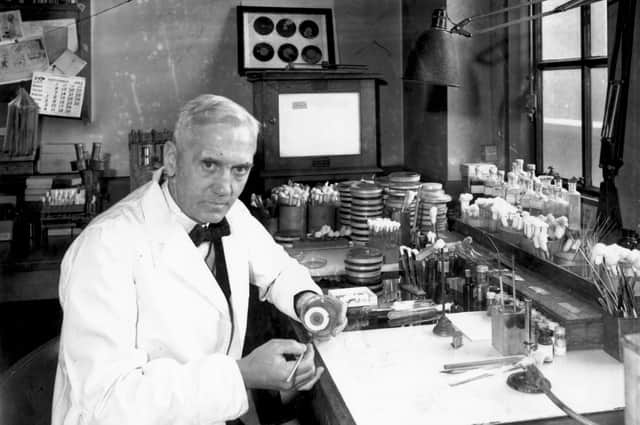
<point>19,60</point>
<point>58,95</point>
<point>68,64</point>
<point>53,31</point>
<point>10,26</point>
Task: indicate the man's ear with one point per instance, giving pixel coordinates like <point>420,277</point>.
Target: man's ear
<point>170,158</point>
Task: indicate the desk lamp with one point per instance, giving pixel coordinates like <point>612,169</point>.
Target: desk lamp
<point>434,58</point>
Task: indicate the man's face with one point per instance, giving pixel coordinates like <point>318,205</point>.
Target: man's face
<point>210,170</point>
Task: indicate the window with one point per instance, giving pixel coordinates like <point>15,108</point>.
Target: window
<point>571,68</point>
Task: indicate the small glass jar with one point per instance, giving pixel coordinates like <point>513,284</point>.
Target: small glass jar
<point>545,343</point>
<point>560,344</point>
<point>481,274</point>
<point>491,302</point>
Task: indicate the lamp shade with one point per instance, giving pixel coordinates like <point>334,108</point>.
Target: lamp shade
<point>434,58</point>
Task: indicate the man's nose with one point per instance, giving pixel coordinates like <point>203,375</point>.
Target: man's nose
<point>221,182</point>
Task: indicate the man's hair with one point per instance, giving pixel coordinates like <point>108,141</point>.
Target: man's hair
<point>209,109</point>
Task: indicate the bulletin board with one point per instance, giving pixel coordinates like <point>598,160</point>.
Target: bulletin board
<point>52,20</point>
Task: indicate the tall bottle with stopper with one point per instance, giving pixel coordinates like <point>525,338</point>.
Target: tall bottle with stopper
<point>575,206</point>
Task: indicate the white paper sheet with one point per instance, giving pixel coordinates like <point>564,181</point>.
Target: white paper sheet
<point>68,64</point>
<point>58,95</point>
<point>38,28</point>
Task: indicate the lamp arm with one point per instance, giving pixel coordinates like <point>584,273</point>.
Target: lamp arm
<point>459,27</point>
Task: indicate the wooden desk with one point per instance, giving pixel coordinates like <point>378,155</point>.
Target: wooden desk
<point>391,376</point>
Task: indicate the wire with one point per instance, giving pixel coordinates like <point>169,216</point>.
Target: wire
<point>573,414</point>
<point>115,6</point>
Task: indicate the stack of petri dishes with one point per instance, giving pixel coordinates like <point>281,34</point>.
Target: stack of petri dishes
<point>432,195</point>
<point>344,212</point>
<point>400,183</point>
<point>364,267</point>
<point>366,203</point>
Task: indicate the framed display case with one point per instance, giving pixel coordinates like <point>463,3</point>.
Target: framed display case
<point>284,37</point>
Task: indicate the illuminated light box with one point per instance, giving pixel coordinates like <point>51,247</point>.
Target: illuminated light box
<point>300,112</point>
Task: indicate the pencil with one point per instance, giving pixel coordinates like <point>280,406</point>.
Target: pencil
<point>295,367</point>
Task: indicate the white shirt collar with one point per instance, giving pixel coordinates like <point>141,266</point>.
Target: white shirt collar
<point>178,215</point>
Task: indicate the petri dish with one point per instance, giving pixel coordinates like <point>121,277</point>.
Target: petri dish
<point>263,52</point>
<point>314,262</point>
<point>263,25</point>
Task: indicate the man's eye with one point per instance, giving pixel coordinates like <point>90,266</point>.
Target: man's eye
<point>241,171</point>
<point>208,165</point>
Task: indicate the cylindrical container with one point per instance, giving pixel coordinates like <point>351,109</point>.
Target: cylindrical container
<point>96,152</point>
<point>508,333</point>
<point>491,302</point>
<point>545,343</point>
<point>319,215</point>
<point>560,344</point>
<point>319,315</point>
<point>631,355</point>
<point>292,220</point>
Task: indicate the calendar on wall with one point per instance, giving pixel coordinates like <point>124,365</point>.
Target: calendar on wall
<point>58,95</point>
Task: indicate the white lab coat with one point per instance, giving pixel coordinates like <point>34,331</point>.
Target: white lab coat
<point>146,334</point>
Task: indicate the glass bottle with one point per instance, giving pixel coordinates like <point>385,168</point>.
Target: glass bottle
<point>499,190</point>
<point>476,185</point>
<point>526,200</point>
<point>512,191</point>
<point>575,206</point>
<point>467,291</point>
<point>481,287</point>
<point>537,200</point>
<point>490,182</point>
<point>560,343</point>
<point>491,302</point>
<point>545,343</point>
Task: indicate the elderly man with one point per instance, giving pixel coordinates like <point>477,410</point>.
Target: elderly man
<point>155,290</point>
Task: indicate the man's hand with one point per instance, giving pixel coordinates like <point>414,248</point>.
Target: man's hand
<point>266,366</point>
<point>342,317</point>
<point>305,377</point>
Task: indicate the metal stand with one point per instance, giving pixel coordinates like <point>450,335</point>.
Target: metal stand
<point>444,327</point>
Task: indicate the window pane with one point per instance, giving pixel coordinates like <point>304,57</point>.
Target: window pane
<point>562,122</point>
<point>598,96</point>
<point>560,32</point>
<point>599,28</point>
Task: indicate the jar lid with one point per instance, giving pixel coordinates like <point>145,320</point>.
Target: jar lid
<point>481,268</point>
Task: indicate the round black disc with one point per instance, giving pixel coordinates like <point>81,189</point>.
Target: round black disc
<point>263,25</point>
<point>263,52</point>
<point>286,27</point>
<point>288,52</point>
<point>311,54</point>
<point>309,29</point>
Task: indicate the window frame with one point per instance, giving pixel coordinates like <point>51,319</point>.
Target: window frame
<point>585,63</point>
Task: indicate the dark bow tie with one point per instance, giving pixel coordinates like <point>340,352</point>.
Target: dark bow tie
<point>214,231</point>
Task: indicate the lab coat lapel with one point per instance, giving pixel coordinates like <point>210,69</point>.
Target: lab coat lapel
<point>237,268</point>
<point>172,249</point>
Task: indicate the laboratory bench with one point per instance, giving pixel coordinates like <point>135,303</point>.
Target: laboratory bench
<point>396,369</point>
<point>392,375</point>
